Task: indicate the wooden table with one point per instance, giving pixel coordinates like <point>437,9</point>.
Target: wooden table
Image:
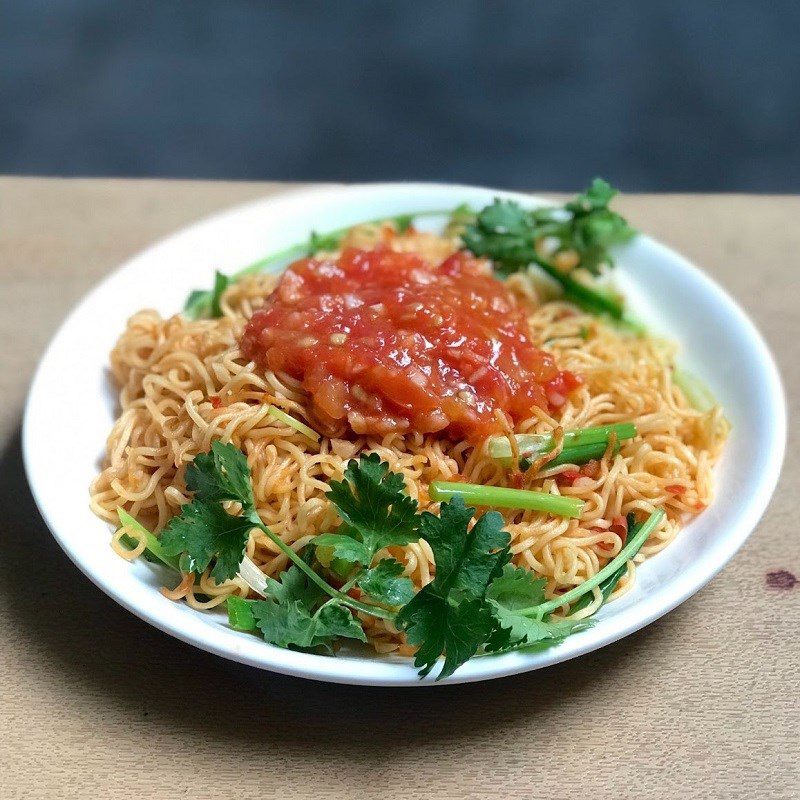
<point>94,703</point>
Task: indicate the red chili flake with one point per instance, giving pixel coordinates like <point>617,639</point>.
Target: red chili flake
<point>354,592</point>
<point>591,469</point>
<point>781,579</point>
<point>619,525</point>
<point>568,477</point>
<point>676,489</point>
<point>215,400</point>
<point>516,479</point>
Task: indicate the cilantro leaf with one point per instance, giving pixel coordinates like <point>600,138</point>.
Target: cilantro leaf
<point>441,627</point>
<point>503,232</point>
<point>291,615</point>
<point>206,531</point>
<point>384,584</point>
<point>599,194</point>
<point>374,504</point>
<point>221,474</point>
<point>221,283</point>
<point>345,546</point>
<point>516,587</point>
<point>508,234</point>
<point>294,585</point>
<point>203,529</point>
<point>466,560</point>
<point>513,590</point>
<point>291,624</point>
<point>586,225</point>
<point>324,241</point>
<point>202,303</point>
<point>450,614</point>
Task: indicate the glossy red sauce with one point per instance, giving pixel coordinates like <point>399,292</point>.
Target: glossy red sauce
<point>385,342</point>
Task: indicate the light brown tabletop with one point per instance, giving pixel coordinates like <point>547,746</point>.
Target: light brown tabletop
<point>95,703</point>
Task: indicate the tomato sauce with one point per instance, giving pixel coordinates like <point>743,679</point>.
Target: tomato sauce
<point>385,342</point>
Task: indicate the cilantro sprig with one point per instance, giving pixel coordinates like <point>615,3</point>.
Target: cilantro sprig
<point>296,614</point>
<point>508,235</point>
<point>478,602</point>
<point>206,532</point>
<point>376,510</point>
<point>450,615</point>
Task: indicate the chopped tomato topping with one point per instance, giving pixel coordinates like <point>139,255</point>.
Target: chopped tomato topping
<point>559,388</point>
<point>383,342</point>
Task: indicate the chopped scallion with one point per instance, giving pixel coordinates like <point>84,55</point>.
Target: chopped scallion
<point>154,547</point>
<point>240,614</point>
<point>293,423</point>
<point>501,497</point>
<point>632,546</point>
<point>532,445</point>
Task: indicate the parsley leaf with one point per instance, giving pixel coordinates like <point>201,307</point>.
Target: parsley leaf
<point>206,531</point>
<point>376,509</point>
<point>450,615</point>
<point>384,584</point>
<point>516,589</point>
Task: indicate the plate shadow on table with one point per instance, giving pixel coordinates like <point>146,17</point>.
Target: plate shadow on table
<point>88,641</point>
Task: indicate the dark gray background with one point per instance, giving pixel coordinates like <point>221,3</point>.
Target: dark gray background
<point>652,95</point>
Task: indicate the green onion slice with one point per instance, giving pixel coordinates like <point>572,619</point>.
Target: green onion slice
<point>532,445</point>
<point>153,545</point>
<point>501,497</point>
<point>293,423</point>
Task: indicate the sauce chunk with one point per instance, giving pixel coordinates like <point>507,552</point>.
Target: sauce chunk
<point>384,342</point>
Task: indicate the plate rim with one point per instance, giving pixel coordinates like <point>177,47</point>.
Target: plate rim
<point>401,673</point>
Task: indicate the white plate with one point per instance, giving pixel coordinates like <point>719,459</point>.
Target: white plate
<point>71,408</point>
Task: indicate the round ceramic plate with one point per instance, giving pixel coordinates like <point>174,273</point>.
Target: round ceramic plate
<point>72,405</point>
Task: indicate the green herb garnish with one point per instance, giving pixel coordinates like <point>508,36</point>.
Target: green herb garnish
<point>477,603</point>
<point>508,235</point>
<point>501,497</point>
<point>210,535</point>
<point>579,446</point>
<point>511,592</point>
<point>450,615</point>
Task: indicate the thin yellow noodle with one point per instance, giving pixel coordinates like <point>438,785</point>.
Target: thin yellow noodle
<point>183,384</point>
